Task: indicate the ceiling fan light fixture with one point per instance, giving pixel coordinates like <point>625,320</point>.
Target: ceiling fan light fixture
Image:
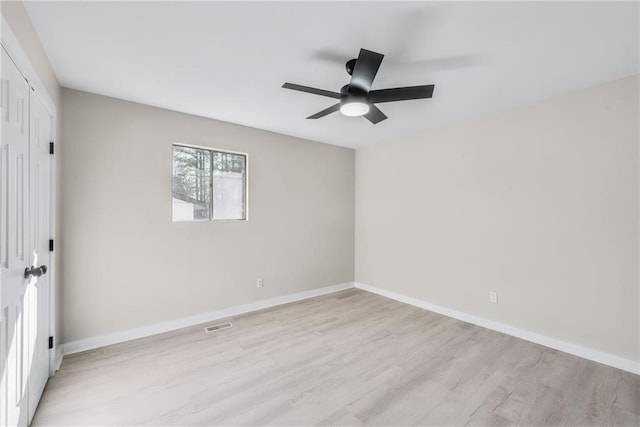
<point>354,108</point>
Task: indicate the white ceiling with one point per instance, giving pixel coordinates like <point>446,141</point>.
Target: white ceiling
<point>228,60</point>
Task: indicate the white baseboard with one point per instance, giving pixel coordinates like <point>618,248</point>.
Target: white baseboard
<point>567,347</point>
<point>158,328</point>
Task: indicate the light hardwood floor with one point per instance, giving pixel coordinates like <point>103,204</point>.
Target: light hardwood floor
<point>349,358</point>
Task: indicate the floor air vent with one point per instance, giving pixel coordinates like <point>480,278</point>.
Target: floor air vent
<point>219,326</point>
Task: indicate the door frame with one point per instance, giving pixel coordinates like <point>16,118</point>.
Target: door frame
<point>10,43</point>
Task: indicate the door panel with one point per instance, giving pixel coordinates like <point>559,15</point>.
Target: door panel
<point>24,235</point>
<point>38,290</point>
<point>14,211</point>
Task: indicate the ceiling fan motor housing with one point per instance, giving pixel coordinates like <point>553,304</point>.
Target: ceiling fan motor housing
<point>354,101</point>
<point>350,65</point>
<point>350,93</point>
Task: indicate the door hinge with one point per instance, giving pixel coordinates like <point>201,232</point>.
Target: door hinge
<point>50,245</point>
<point>50,342</point>
<point>51,147</point>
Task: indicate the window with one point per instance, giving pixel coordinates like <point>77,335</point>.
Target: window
<point>208,184</point>
<point>229,185</point>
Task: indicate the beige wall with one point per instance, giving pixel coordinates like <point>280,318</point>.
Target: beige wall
<point>539,203</point>
<point>127,265</point>
<point>16,16</point>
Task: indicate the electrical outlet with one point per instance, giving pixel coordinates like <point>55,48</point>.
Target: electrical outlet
<point>493,297</point>
<point>259,284</point>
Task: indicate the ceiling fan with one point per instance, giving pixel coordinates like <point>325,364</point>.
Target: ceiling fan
<point>357,98</point>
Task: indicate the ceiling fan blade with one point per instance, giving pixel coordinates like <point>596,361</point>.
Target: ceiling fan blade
<point>332,56</point>
<point>325,112</point>
<point>375,115</point>
<point>401,93</point>
<point>366,69</point>
<point>312,90</point>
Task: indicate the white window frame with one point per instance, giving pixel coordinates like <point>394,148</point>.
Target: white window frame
<point>212,150</point>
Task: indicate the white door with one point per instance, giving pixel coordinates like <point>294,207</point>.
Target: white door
<point>38,288</point>
<point>24,317</point>
<point>14,241</point>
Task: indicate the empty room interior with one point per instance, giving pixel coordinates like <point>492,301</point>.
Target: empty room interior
<point>320,213</point>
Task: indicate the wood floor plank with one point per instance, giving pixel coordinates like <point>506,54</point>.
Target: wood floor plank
<point>348,358</point>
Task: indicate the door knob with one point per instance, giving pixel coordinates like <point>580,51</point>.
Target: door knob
<point>35,271</point>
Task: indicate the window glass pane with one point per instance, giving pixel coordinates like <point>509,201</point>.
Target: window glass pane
<point>229,189</point>
<point>191,184</point>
